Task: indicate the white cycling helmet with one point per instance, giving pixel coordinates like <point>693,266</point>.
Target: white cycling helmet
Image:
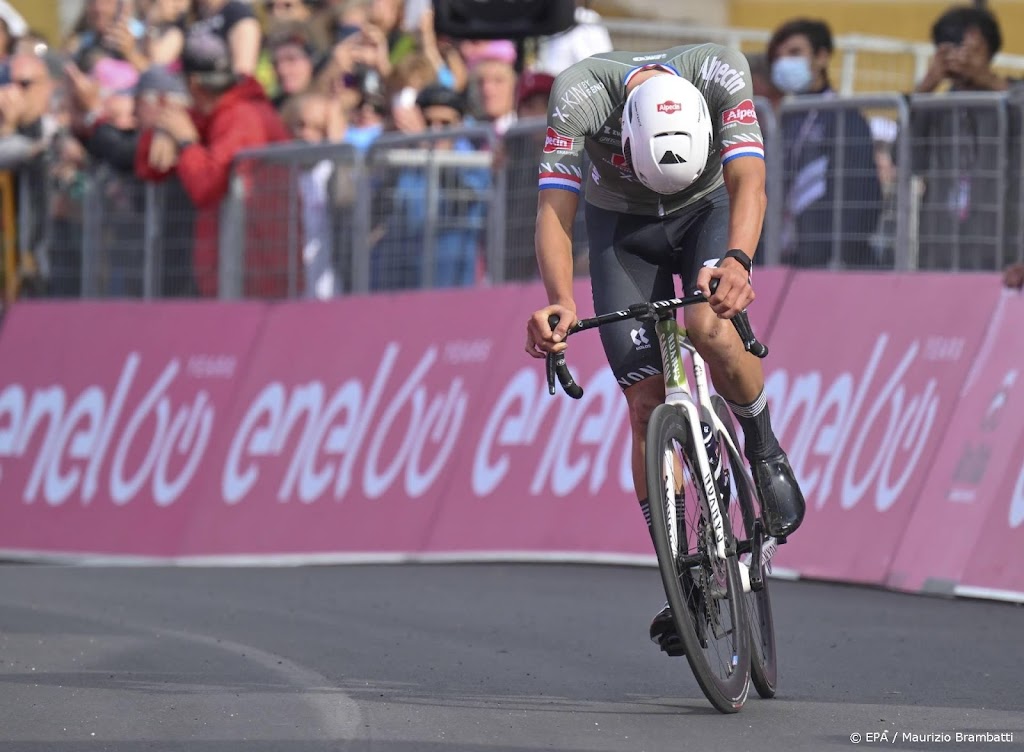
<point>666,133</point>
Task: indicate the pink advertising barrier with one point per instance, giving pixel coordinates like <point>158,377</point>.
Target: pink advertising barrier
<point>967,516</point>
<point>107,411</point>
<point>415,424</point>
<point>411,423</point>
<point>863,376</point>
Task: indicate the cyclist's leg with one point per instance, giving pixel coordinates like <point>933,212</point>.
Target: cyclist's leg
<point>629,263</point>
<point>738,375</point>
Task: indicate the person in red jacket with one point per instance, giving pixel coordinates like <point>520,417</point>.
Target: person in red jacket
<point>230,114</point>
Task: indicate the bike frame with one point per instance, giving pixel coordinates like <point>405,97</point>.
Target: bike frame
<point>673,341</point>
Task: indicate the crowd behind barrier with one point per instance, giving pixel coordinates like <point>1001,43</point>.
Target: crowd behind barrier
<point>927,182</point>
<point>379,156</point>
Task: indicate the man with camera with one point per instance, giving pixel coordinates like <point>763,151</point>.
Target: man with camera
<point>960,211</point>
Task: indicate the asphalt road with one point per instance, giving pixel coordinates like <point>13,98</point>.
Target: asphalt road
<point>488,658</point>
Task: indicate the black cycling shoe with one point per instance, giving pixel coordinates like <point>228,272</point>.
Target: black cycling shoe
<point>782,502</point>
<point>664,634</point>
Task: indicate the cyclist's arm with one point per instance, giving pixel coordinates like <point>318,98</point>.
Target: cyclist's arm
<point>744,180</point>
<point>740,145</point>
<point>556,212</point>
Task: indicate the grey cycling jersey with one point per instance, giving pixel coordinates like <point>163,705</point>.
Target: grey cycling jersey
<point>585,112</point>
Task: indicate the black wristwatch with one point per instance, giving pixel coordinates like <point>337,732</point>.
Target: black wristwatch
<point>740,256</point>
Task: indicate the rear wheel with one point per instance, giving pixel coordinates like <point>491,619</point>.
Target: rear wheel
<point>703,589</point>
<point>744,513</point>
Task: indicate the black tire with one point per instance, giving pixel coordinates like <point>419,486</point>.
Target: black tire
<point>720,655</point>
<point>744,512</point>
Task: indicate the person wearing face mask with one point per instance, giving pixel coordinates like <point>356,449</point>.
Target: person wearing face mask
<point>799,54</point>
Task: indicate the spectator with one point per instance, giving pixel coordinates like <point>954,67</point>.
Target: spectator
<point>534,92</point>
<point>493,82</point>
<point>294,61</point>
<point>312,118</point>
<point>587,37</point>
<point>460,212</point>
<point>386,16</point>
<point>962,197</point>
<point>115,145</point>
<point>235,22</point>
<point>287,11</point>
<point>353,13</point>
<point>166,23</point>
<point>367,121</point>
<point>26,130</point>
<point>449,67</point>
<point>107,28</point>
<point>230,114</point>
<point>413,74</point>
<point>1013,276</point>
<point>352,76</point>
<point>7,40</point>
<point>800,52</point>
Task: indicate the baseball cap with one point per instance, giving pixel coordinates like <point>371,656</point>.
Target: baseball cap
<point>115,76</point>
<point>476,52</point>
<point>535,82</point>
<point>205,52</point>
<point>161,80</point>
<point>441,96</point>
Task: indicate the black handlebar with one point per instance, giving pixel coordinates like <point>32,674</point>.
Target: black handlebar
<point>556,366</point>
<point>743,328</point>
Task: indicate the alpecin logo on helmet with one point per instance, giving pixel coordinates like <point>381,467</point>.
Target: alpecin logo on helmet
<point>742,114</point>
<point>669,107</point>
<point>556,142</point>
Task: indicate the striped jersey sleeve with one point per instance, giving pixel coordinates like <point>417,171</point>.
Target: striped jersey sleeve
<point>561,159</point>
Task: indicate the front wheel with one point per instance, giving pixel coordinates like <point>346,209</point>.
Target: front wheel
<point>744,512</point>
<point>704,589</point>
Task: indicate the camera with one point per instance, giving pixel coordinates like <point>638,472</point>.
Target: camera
<point>366,80</point>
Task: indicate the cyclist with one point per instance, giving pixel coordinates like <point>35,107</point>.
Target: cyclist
<point>675,186</point>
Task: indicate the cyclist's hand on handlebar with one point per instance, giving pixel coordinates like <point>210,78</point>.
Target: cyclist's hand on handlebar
<point>734,292</point>
<point>540,339</point>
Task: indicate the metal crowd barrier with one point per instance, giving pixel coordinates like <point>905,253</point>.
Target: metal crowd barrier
<point>826,197</point>
<point>136,240</point>
<point>862,182</point>
<point>966,152</point>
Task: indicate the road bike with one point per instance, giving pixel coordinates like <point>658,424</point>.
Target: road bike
<point>706,525</point>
